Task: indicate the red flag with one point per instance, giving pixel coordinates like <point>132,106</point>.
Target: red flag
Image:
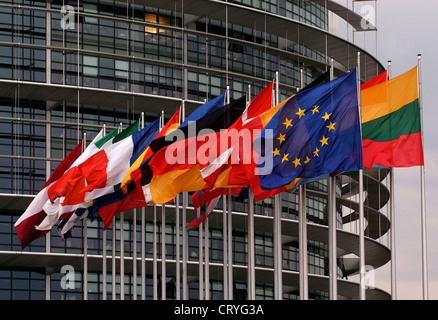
<point>25,225</point>
<point>376,80</point>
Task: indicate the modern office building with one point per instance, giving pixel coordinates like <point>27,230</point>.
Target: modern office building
<point>68,67</point>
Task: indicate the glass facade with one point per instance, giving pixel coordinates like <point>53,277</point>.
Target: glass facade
<point>129,48</point>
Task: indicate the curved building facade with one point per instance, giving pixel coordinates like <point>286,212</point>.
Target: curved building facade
<point>69,67</point>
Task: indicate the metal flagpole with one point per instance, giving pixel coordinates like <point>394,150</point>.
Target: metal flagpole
<point>423,194</point>
<point>177,242</point>
<point>392,219</point>
<point>134,254</point>
<point>104,265</point>
<point>154,245</point>
<point>143,253</point>
<point>224,245</point>
<point>184,247</point>
<point>207,262</point>
<point>333,266</point>
<point>177,246</point>
<point>275,205</point>
<point>362,295</point>
<point>113,260</point>
<point>331,203</point>
<point>230,246</point>
<point>154,251</point>
<point>200,264</point>
<point>230,230</point>
<point>302,216</point>
<point>154,254</point>
<point>201,260</point>
<point>134,238</point>
<point>224,231</point>
<point>278,276</point>
<point>85,244</point>
<point>206,257</point>
<point>251,253</point>
<point>302,222</point>
<point>163,252</point>
<point>185,291</point>
<point>122,250</point>
<point>163,238</point>
<point>122,256</point>
<point>143,241</point>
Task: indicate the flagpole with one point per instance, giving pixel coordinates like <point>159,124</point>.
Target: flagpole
<point>207,258</point>
<point>230,246</point>
<point>143,241</point>
<point>184,231</point>
<point>184,247</point>
<point>122,251</point>
<point>275,198</point>
<point>302,216</point>
<point>134,254</point>
<point>362,295</point>
<point>251,253</point>
<point>230,230</point>
<point>201,257</point>
<point>154,254</point>
<point>200,264</point>
<point>333,264</point>
<point>163,238</point>
<point>143,253</point>
<point>278,277</point>
<point>122,256</point>
<point>224,245</point>
<point>302,222</point>
<point>134,238</point>
<point>47,278</point>
<point>177,246</point>
<point>392,219</point>
<point>423,194</point>
<point>163,252</point>
<point>104,265</point>
<point>154,250</point>
<point>85,244</point>
<point>331,203</point>
<point>224,230</point>
<point>113,260</point>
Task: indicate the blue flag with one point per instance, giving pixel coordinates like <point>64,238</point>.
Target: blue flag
<point>314,134</point>
<point>207,107</point>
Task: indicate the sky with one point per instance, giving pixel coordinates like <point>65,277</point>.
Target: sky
<point>406,29</point>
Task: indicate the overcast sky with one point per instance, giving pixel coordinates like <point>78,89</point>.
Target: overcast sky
<point>405,29</point>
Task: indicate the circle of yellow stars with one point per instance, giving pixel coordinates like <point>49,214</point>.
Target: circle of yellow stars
<point>324,141</point>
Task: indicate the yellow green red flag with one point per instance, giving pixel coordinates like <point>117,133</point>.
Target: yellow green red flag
<point>391,123</point>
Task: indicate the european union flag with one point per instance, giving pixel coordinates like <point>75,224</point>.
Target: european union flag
<point>315,133</point>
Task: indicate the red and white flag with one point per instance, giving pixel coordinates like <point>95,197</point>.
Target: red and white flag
<point>34,214</point>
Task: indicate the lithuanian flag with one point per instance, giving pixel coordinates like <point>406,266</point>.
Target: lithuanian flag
<point>391,124</point>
